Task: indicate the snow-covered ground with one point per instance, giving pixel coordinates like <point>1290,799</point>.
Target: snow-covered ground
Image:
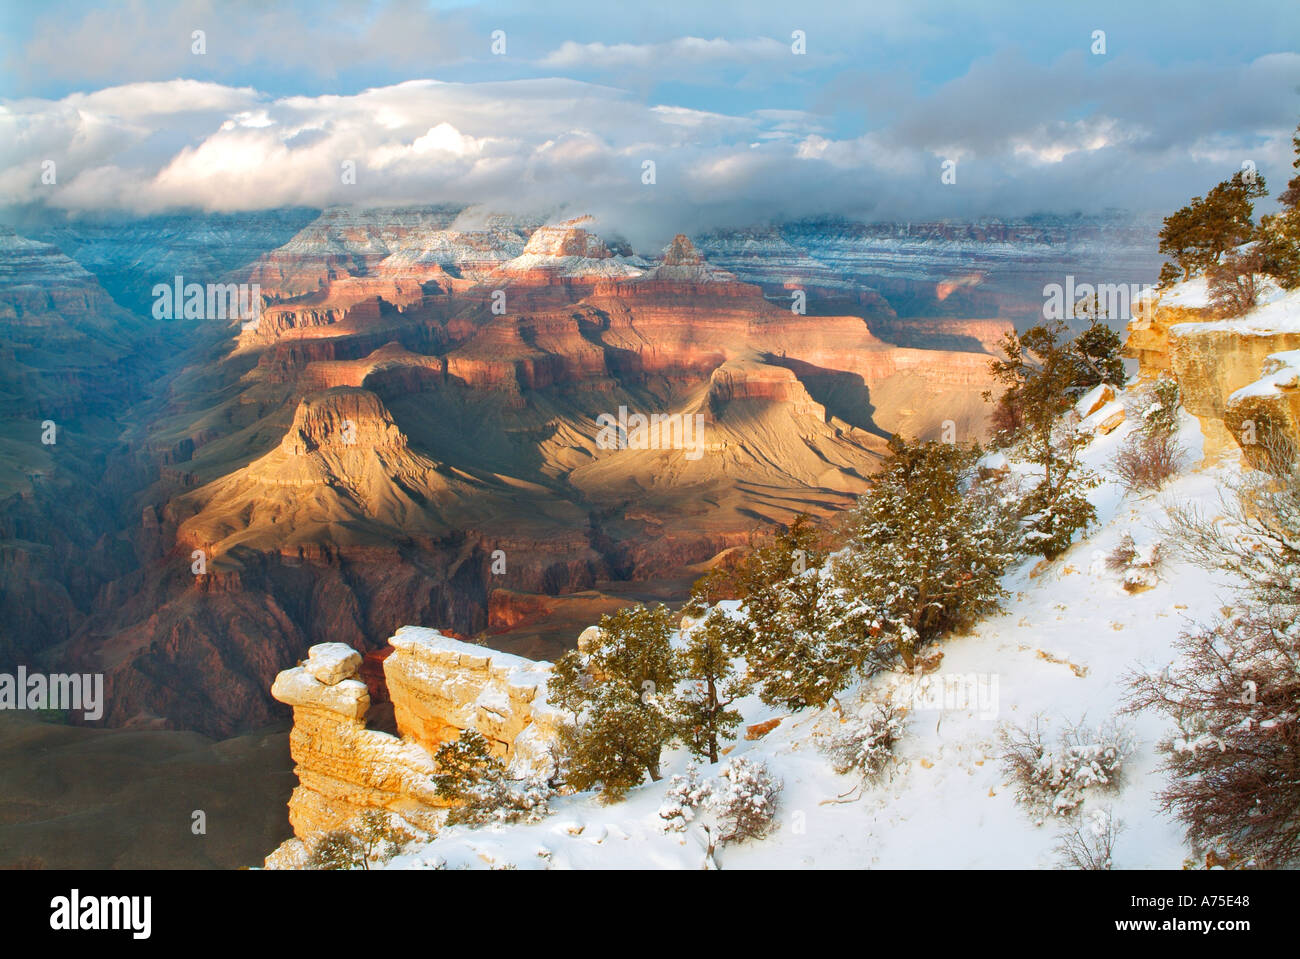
<point>1068,637</point>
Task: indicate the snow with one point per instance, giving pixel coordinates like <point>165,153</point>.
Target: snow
<point>1278,312</point>
<point>1069,635</point>
<point>1193,294</point>
<point>610,266</point>
<point>1099,395</point>
<point>330,662</point>
<point>514,670</point>
<point>1092,423</point>
<point>1281,372</point>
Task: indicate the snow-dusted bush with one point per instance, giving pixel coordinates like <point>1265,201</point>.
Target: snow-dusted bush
<point>1235,282</point>
<point>745,799</point>
<point>1158,406</point>
<point>866,743</point>
<point>684,798</point>
<point>480,785</point>
<point>1139,563</point>
<point>1151,455</point>
<point>739,804</point>
<point>1234,694</point>
<point>1052,780</point>
<point>1147,460</point>
<point>1090,845</point>
<point>373,837</point>
<point>337,849</point>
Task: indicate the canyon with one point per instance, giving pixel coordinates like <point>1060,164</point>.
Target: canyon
<point>411,433</point>
<point>419,397</point>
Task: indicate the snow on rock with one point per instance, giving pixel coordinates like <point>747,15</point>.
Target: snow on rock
<point>1281,372</point>
<point>1094,399</point>
<point>331,663</point>
<point>1105,418</point>
<point>298,687</point>
<point>440,686</point>
<point>1278,312</point>
<point>1213,359</point>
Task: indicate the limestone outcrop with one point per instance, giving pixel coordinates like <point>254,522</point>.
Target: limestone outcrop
<point>1270,403</point>
<point>438,687</point>
<point>1230,371</point>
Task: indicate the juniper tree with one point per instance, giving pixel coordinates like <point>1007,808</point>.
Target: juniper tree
<point>712,684</point>
<point>1045,370</point>
<point>371,837</point>
<point>1279,233</point>
<point>480,785</point>
<point>926,549</point>
<point>1199,234</point>
<point>338,849</point>
<point>1045,373</point>
<point>799,648</point>
<point>622,696</point>
<point>464,764</point>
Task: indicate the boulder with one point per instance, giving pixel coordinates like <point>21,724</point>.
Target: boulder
<point>331,663</point>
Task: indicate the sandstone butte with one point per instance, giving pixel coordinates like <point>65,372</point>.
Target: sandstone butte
<point>1239,377</point>
<point>438,686</point>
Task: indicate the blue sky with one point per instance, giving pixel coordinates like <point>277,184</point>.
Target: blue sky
<point>738,125</point>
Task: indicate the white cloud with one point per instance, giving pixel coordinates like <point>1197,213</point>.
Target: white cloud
<point>1028,137</point>
<point>681,51</point>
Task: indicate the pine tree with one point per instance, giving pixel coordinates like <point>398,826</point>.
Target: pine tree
<point>623,698</point>
<point>1046,371</point>
<point>1097,352</point>
<point>1279,233</point>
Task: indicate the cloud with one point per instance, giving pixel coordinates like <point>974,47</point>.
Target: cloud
<point>1066,135</point>
<point>140,40</point>
<point>680,51</point>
